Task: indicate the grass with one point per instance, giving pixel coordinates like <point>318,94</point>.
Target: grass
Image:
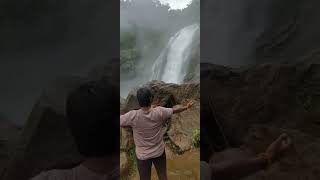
<point>133,164</point>
<point>196,138</point>
<point>132,157</point>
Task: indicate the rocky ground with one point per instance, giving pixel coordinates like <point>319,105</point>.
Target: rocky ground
<point>248,108</point>
<point>183,157</point>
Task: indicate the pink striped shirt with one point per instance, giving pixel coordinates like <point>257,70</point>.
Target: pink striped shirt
<point>147,129</point>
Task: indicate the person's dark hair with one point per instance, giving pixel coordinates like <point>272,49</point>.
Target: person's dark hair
<point>144,97</point>
<point>93,117</point>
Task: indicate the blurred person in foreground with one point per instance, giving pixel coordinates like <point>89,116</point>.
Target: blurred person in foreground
<point>93,121</point>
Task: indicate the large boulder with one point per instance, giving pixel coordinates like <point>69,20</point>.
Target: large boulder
<point>131,102</point>
<point>182,127</point>
<point>165,94</point>
<point>281,97</point>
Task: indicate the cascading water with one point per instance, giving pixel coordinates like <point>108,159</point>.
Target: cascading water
<point>172,64</point>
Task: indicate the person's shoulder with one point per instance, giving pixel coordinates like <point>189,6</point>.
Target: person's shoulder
<point>158,108</point>
<point>161,109</point>
<point>131,112</point>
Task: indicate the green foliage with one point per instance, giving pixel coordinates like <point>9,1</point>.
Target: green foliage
<point>132,157</point>
<point>196,138</point>
<point>128,40</point>
<point>128,59</point>
<point>133,163</point>
<point>131,52</point>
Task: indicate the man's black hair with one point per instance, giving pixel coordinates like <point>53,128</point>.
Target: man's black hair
<point>144,96</point>
<point>93,117</point>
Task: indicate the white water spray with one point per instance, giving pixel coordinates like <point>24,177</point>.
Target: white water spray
<point>172,64</point>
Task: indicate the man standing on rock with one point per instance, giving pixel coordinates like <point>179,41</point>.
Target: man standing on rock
<point>147,123</point>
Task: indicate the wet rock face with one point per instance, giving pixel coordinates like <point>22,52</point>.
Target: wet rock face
<point>251,107</point>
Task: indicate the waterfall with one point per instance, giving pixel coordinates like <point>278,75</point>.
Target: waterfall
<point>172,64</point>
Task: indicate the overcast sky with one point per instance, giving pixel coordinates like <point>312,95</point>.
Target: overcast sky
<point>174,4</point>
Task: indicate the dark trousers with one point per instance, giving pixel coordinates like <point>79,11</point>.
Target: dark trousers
<point>160,163</point>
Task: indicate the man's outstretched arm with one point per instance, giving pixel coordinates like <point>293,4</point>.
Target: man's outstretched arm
<point>248,167</point>
<point>239,169</point>
<point>126,119</point>
<point>179,108</point>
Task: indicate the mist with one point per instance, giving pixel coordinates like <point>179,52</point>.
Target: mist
<point>147,15</point>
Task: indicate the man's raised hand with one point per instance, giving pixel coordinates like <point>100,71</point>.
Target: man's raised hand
<point>190,104</point>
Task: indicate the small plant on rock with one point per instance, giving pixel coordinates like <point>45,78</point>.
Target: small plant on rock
<point>196,138</point>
